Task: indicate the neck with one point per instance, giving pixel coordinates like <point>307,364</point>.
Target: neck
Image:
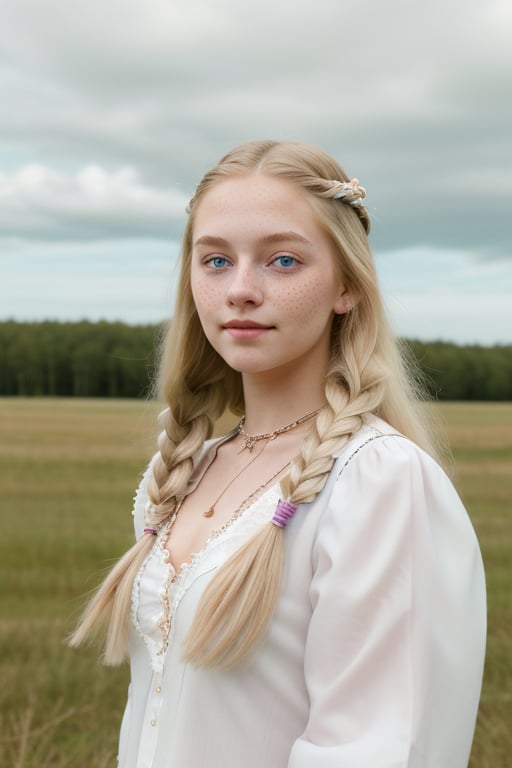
<point>271,403</point>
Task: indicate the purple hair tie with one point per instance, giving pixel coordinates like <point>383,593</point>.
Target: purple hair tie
<point>284,512</point>
<point>152,531</point>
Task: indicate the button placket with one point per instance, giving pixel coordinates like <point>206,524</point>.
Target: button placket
<point>151,727</point>
<point>156,698</point>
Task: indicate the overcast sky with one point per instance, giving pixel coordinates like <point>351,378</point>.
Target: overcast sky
<point>111,111</point>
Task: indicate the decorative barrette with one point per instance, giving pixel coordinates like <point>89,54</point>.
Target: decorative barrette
<point>346,188</point>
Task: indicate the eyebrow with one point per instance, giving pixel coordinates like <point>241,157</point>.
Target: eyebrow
<point>276,237</point>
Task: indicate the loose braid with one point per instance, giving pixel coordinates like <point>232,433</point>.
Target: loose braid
<point>166,485</point>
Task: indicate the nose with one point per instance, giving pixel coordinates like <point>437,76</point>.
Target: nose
<point>245,286</point>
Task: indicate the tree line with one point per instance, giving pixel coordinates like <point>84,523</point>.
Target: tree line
<point>80,359</point>
<point>103,359</point>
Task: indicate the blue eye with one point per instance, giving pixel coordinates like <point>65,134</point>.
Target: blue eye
<point>286,261</point>
<point>218,262</point>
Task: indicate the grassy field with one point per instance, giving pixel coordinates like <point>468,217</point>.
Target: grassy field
<point>68,469</point>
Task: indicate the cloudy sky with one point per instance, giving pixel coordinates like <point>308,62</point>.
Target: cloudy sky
<point>111,110</point>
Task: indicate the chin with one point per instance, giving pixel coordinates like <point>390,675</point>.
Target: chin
<point>245,366</point>
<point>240,359</point>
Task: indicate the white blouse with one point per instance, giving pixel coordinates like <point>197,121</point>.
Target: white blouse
<point>374,655</point>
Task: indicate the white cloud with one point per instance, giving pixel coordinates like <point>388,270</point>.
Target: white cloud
<point>40,202</point>
<point>111,111</point>
<point>408,96</point>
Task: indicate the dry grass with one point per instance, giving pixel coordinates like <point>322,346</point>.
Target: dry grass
<point>68,469</point>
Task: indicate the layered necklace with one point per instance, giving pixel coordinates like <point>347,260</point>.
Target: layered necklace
<point>251,440</point>
<point>249,443</point>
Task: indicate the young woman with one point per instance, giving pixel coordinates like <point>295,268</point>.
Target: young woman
<point>306,591</point>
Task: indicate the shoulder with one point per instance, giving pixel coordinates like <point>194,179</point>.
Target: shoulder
<point>377,445</point>
<point>388,501</point>
<point>381,474</point>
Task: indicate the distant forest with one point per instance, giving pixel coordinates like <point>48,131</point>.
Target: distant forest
<point>103,359</point>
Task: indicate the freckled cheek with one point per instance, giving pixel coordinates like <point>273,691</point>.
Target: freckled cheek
<point>304,300</point>
<point>205,295</point>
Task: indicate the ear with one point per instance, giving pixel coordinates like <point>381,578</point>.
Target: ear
<point>345,301</point>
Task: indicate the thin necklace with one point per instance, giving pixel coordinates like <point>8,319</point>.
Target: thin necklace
<point>249,443</point>
<point>241,507</point>
<point>211,509</point>
<point>250,440</point>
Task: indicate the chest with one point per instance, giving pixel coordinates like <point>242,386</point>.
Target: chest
<point>227,491</point>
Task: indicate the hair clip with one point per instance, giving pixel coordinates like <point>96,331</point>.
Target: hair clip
<point>346,188</point>
<point>284,512</point>
<point>152,531</point>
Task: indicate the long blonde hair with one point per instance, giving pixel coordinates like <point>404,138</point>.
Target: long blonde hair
<point>367,373</point>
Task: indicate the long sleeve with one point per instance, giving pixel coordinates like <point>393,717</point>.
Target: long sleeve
<point>395,647</point>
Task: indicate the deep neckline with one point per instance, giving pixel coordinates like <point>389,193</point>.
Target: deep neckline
<point>173,584</point>
<point>195,556</point>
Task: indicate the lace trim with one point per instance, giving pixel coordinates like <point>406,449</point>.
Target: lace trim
<point>156,648</point>
<point>174,584</point>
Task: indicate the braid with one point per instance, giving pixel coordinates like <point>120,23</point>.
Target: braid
<point>171,469</point>
<point>167,482</point>
<point>342,191</point>
<point>334,426</point>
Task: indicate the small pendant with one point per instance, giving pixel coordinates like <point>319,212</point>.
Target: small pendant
<point>250,442</point>
<point>209,512</point>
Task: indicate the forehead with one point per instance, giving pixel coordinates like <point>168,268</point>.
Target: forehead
<point>254,204</point>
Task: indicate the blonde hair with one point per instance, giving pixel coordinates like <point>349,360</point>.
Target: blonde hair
<point>366,374</point>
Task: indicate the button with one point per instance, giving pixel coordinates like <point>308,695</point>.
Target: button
<point>153,722</point>
<point>158,689</point>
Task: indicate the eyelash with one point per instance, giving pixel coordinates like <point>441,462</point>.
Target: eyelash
<point>292,261</point>
<point>211,261</point>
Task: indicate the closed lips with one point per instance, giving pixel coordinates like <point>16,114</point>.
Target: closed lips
<point>244,324</point>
